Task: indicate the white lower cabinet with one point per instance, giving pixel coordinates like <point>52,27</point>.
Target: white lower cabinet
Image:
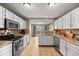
<point>6,50</point>
<point>63,47</point>
<point>46,40</point>
<point>72,50</point>
<point>28,39</point>
<point>25,40</point>
<point>68,49</point>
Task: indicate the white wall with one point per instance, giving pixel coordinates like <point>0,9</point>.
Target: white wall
<point>37,21</point>
<point>42,21</point>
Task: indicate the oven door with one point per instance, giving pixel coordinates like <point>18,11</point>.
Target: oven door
<point>17,47</point>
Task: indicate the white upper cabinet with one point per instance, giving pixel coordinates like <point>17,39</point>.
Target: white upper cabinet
<point>70,20</point>
<point>9,15</point>
<point>51,26</point>
<point>75,18</point>
<point>22,23</point>
<point>2,16</point>
<point>16,18</point>
<point>66,21</point>
<point>60,24</point>
<point>56,24</point>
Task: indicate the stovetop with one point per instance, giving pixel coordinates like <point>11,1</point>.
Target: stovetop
<point>10,37</point>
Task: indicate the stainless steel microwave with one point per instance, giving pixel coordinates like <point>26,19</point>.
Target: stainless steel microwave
<point>10,24</point>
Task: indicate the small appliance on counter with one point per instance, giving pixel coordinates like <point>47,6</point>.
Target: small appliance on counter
<point>76,37</point>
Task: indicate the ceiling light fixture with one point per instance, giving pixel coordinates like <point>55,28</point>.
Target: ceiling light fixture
<point>27,5</point>
<point>40,23</point>
<point>51,4</point>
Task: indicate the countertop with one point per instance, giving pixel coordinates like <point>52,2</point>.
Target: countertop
<point>4,43</point>
<point>71,40</point>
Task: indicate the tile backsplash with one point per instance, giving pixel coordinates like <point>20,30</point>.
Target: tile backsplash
<point>16,32</point>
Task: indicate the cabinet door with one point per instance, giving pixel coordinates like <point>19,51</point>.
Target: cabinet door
<point>6,50</point>
<point>46,40</point>
<point>72,51</point>
<point>9,15</point>
<point>75,18</point>
<point>24,41</point>
<point>24,24</point>
<point>2,16</point>
<point>66,21</point>
<point>60,25</point>
<point>56,41</point>
<point>28,40</point>
<point>15,18</point>
<point>56,24</point>
<point>63,47</point>
<point>50,26</point>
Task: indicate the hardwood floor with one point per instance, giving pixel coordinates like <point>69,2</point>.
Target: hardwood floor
<point>48,51</point>
<point>33,50</point>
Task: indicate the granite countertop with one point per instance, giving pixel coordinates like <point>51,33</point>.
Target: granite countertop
<point>71,40</point>
<point>4,43</point>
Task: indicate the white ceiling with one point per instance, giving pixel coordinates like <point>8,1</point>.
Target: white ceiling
<point>40,10</point>
<point>41,21</point>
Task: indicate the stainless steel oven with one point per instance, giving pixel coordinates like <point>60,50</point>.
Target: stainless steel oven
<point>17,43</point>
<point>17,46</point>
<point>10,24</point>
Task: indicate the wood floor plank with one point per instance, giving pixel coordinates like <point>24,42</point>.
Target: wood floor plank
<point>34,50</point>
<point>48,51</point>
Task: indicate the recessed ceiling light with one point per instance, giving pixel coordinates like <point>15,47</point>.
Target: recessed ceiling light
<point>27,5</point>
<point>51,4</point>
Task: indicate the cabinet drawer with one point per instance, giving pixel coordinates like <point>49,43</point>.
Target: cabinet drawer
<point>6,52</point>
<point>72,51</point>
<point>73,45</point>
<point>63,47</point>
<point>5,47</point>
